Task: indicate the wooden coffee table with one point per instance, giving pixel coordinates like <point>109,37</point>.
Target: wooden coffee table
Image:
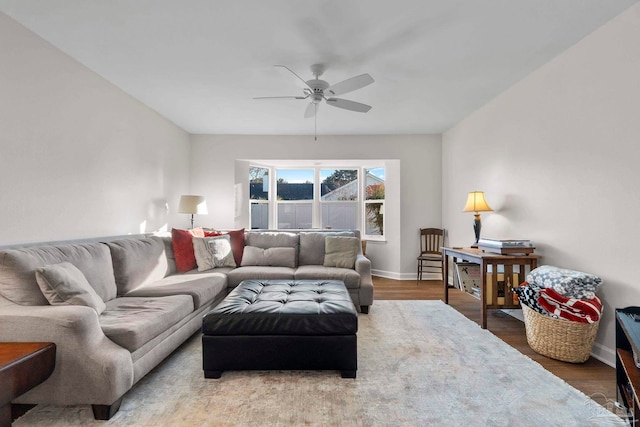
<point>23,365</point>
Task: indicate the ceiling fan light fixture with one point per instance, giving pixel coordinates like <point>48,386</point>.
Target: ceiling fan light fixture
<point>317,90</point>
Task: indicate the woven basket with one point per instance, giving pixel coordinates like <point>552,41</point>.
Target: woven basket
<point>557,338</point>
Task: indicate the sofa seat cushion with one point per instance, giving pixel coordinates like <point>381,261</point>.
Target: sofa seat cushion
<point>350,277</point>
<point>133,321</point>
<point>202,287</point>
<point>258,272</point>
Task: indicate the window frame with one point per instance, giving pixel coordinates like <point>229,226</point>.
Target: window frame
<point>266,201</point>
<point>365,202</point>
<point>316,201</point>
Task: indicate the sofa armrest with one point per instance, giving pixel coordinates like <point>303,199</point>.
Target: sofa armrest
<point>74,323</point>
<point>90,368</point>
<point>363,268</point>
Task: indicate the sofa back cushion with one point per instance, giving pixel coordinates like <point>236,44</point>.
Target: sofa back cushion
<point>18,270</point>
<point>137,262</point>
<point>312,245</point>
<point>168,250</point>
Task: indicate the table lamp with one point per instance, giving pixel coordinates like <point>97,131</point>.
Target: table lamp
<point>194,205</point>
<point>476,203</point>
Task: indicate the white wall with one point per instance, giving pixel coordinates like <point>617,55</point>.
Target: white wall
<point>79,157</point>
<point>413,191</point>
<point>557,156</point>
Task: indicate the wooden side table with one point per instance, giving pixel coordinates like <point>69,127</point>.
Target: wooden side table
<point>23,365</point>
<point>485,259</point>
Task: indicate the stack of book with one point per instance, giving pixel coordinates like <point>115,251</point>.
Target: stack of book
<point>507,247</point>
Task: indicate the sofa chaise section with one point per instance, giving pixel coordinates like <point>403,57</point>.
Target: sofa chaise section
<point>149,313</point>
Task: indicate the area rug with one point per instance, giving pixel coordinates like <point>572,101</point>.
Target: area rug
<point>420,363</point>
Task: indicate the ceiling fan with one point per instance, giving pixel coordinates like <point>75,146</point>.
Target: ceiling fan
<point>317,90</point>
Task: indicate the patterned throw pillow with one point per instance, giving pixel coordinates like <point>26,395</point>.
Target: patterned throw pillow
<point>528,295</point>
<point>213,252</point>
<point>237,242</point>
<point>569,283</point>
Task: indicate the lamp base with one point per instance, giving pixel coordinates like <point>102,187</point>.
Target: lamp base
<point>474,245</point>
<point>477,225</point>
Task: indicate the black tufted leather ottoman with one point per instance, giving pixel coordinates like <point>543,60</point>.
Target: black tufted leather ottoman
<point>282,324</point>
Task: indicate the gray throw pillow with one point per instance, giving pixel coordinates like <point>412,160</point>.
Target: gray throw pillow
<point>213,252</point>
<point>64,284</point>
<point>275,257</point>
<point>341,251</point>
<point>312,245</point>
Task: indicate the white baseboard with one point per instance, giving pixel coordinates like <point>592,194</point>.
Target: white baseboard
<point>404,276</point>
<point>604,354</point>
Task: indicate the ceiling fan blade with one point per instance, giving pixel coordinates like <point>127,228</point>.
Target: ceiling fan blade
<point>311,110</point>
<point>349,85</point>
<point>292,72</point>
<point>349,105</point>
<point>281,97</point>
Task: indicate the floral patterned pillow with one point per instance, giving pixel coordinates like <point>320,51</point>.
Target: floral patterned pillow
<point>569,283</point>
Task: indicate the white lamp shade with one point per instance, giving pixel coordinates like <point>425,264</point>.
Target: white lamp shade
<point>195,205</point>
<point>476,203</point>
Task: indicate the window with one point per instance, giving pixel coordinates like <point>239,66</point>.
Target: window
<point>295,198</point>
<point>349,196</point>
<point>374,202</point>
<point>259,196</point>
<point>339,198</point>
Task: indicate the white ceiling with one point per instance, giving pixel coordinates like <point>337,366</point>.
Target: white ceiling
<point>200,62</point>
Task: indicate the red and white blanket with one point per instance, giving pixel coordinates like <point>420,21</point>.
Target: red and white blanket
<point>576,310</point>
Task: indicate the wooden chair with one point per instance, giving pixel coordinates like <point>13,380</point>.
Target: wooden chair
<point>431,240</point>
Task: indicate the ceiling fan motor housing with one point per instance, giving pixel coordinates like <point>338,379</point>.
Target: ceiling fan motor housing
<point>318,86</point>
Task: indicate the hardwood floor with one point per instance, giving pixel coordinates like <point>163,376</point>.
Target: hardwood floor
<point>593,378</point>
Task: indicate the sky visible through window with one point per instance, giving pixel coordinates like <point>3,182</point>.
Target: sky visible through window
<point>294,176</point>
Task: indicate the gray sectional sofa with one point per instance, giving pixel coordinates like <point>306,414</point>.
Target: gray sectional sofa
<point>144,308</point>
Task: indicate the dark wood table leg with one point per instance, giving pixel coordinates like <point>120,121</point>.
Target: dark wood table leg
<point>445,277</point>
<point>483,297</point>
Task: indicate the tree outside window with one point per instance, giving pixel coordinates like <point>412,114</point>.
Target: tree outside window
<point>374,202</point>
<point>259,196</point>
<point>339,198</point>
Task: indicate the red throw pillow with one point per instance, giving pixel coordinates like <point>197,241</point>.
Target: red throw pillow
<point>182,243</point>
<point>237,245</point>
